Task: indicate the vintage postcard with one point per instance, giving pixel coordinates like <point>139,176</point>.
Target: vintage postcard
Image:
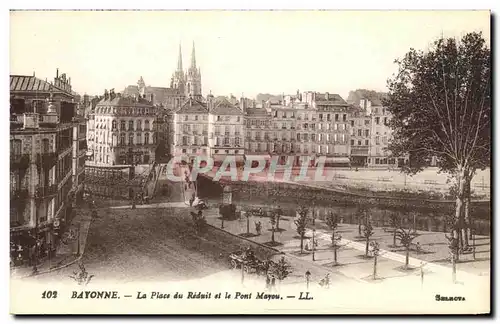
<point>250,162</point>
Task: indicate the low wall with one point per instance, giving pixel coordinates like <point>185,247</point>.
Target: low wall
<point>236,242</point>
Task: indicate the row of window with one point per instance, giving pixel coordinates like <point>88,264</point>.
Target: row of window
<point>205,118</point>
<point>378,141</point>
<point>289,148</point>
<point>197,141</point>
<point>124,110</point>
<point>366,122</point>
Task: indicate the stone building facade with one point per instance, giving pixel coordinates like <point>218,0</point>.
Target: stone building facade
<point>122,130</point>
<point>47,157</point>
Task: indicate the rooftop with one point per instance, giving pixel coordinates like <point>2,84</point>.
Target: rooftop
<point>224,107</point>
<point>193,106</point>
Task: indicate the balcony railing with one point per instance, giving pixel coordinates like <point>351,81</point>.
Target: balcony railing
<point>45,191</point>
<point>19,161</point>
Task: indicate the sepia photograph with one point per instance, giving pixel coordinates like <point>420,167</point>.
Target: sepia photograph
<point>250,162</point>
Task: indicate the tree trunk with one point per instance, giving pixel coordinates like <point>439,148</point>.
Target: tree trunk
<point>272,237</point>
<point>375,268</point>
<point>407,259</point>
<point>466,232</point>
<point>277,222</point>
<point>248,225</point>
<point>359,227</point>
<point>301,243</point>
<point>394,238</point>
<point>367,245</point>
<point>459,203</point>
<point>335,255</point>
<point>454,268</point>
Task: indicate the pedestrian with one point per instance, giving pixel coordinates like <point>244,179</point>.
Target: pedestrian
<point>268,282</point>
<point>273,283</point>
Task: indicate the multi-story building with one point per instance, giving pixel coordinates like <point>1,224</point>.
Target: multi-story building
<point>46,160</point>
<point>332,130</point>
<point>191,125</point>
<point>283,131</point>
<point>258,131</point>
<point>370,136</point>
<point>226,127</point>
<point>122,130</point>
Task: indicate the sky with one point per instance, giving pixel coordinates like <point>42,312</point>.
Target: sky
<point>239,52</point>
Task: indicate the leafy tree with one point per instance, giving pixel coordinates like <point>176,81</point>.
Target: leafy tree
<point>272,220</point>
<point>440,101</point>
<point>367,233</point>
<point>361,215</point>
<point>301,223</point>
<point>406,237</point>
<point>278,214</point>
<point>281,269</point>
<point>395,223</point>
<point>332,222</point>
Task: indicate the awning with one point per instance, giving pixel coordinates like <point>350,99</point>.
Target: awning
<point>222,157</point>
<point>89,153</point>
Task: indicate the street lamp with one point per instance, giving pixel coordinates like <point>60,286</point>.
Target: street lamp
<point>308,275</point>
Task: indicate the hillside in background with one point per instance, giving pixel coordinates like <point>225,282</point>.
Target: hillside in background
<point>267,96</point>
<point>374,96</point>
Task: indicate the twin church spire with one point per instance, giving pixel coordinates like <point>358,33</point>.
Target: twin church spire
<point>188,83</point>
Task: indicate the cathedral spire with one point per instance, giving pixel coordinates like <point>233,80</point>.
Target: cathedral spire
<point>179,61</point>
<point>193,58</point>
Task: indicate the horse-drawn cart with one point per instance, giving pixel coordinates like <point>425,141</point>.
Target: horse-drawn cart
<point>249,262</point>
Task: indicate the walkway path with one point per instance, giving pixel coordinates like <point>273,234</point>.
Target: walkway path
<point>442,271</point>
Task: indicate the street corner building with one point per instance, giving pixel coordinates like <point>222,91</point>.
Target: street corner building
<point>47,159</point>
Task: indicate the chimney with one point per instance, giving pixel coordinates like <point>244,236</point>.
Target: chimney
<point>57,73</point>
<point>368,107</point>
<point>362,103</point>
<point>106,94</point>
<point>327,96</point>
<point>152,97</point>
